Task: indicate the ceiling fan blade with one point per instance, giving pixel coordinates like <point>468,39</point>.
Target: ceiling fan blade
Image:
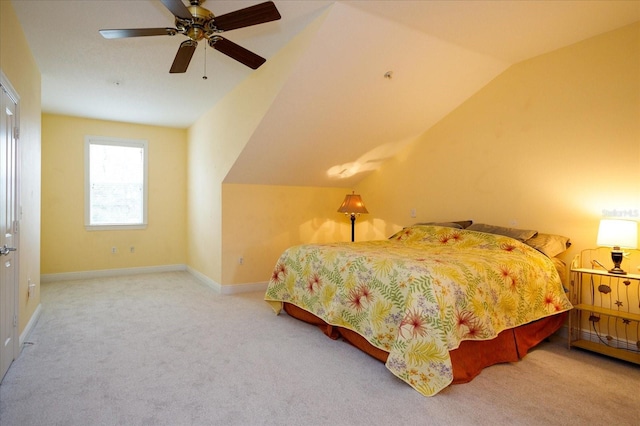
<point>183,57</point>
<point>253,15</point>
<point>237,52</point>
<point>178,9</point>
<point>137,32</point>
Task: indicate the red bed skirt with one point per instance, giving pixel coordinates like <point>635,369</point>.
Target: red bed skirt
<point>470,357</point>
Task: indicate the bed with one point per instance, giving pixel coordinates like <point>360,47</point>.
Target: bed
<point>436,303</point>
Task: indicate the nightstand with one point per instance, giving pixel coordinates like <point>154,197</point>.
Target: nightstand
<point>606,314</point>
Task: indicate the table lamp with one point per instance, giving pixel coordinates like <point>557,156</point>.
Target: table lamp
<point>618,234</point>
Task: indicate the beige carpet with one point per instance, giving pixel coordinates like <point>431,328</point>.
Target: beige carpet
<point>164,349</point>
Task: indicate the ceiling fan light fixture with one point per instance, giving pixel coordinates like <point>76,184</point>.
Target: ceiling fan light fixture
<point>196,33</point>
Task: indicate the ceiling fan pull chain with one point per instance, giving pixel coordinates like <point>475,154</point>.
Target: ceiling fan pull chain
<point>204,77</point>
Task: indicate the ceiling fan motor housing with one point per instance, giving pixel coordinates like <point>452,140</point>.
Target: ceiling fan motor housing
<point>195,29</point>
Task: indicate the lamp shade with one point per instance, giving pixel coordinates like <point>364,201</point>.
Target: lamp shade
<point>618,233</point>
<point>352,204</point>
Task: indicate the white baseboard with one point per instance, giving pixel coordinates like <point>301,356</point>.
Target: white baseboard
<point>563,332</point>
<point>586,334</point>
<point>227,289</point>
<point>217,287</point>
<point>30,325</point>
<point>244,288</point>
<point>591,336</point>
<point>82,275</point>
<point>205,279</point>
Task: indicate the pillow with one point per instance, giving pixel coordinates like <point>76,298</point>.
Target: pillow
<point>462,224</point>
<point>549,244</point>
<point>517,234</point>
<point>445,224</point>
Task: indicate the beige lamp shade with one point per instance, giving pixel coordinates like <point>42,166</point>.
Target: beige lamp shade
<point>618,233</point>
<point>352,205</point>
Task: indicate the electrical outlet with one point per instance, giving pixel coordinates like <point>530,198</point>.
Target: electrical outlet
<point>240,260</point>
<point>114,250</point>
<point>413,213</point>
<point>132,249</point>
<point>31,288</point>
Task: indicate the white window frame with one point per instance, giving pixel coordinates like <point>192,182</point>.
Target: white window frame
<point>101,140</point>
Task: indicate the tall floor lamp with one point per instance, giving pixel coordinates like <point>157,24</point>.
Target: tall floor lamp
<point>353,206</point>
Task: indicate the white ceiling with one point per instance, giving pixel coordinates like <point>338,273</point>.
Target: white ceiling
<point>128,80</point>
<point>337,114</point>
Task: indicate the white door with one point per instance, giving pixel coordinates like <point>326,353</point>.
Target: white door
<point>8,224</point>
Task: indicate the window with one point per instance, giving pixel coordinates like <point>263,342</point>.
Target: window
<point>115,183</point>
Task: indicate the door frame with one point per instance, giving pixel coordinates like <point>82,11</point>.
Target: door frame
<point>13,94</point>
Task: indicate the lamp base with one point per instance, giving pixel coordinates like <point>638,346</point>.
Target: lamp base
<point>353,227</point>
<point>616,257</point>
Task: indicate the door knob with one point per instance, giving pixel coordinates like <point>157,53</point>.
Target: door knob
<point>6,250</point>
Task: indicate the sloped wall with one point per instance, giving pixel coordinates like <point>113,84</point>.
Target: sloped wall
<point>215,141</point>
<point>552,144</point>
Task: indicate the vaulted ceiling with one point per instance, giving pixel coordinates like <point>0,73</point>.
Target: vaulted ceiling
<point>374,75</point>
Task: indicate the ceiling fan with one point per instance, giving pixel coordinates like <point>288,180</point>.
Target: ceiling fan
<point>198,23</point>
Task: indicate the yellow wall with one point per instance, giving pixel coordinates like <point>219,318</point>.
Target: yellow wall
<point>547,145</point>
<point>66,245</point>
<point>19,66</point>
<point>265,220</point>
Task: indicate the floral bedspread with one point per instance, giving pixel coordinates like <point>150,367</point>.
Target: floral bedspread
<point>420,293</point>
